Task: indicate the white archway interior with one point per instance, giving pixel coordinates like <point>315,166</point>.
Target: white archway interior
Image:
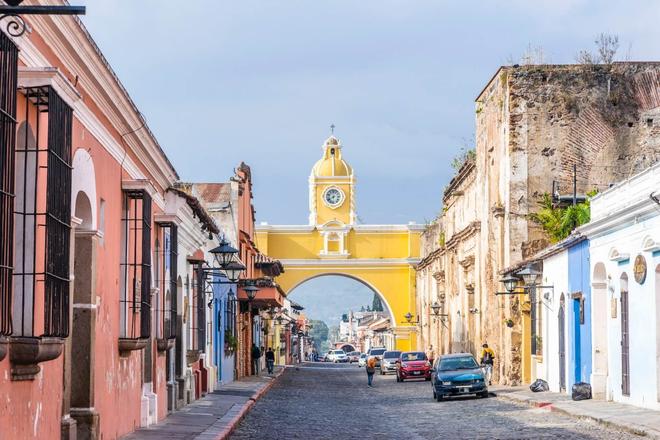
<point>386,305</point>
<point>83,180</point>
<point>600,301</point>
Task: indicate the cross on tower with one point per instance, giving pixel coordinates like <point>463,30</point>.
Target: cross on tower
<point>332,128</point>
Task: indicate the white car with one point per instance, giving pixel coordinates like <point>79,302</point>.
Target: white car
<point>362,362</point>
<point>337,356</point>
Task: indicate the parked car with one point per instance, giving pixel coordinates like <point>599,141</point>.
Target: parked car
<point>413,365</point>
<point>337,356</point>
<point>377,352</point>
<point>353,356</point>
<point>388,363</point>
<point>362,362</point>
<point>456,375</point>
<point>324,357</point>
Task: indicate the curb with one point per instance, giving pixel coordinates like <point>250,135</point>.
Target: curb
<point>247,406</point>
<point>551,407</point>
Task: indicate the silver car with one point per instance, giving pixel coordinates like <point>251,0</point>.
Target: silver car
<point>388,364</point>
<point>362,362</point>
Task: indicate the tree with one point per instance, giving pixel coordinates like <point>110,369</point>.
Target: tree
<point>376,304</point>
<point>559,222</point>
<point>607,46</point>
<point>319,331</point>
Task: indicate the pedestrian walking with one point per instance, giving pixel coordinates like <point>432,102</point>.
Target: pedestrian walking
<point>371,370</point>
<point>487,357</point>
<point>430,354</point>
<point>270,360</point>
<point>256,354</point>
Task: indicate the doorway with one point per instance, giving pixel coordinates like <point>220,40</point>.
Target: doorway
<point>561,320</point>
<point>625,338</point>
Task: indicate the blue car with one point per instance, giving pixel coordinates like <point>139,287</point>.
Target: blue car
<point>457,375</point>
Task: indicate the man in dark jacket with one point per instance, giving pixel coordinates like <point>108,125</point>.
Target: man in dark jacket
<point>256,354</point>
<point>270,360</point>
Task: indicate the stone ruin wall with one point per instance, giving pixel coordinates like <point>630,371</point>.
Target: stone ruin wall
<point>533,124</point>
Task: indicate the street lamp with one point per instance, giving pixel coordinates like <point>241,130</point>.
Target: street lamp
<point>530,276</point>
<point>224,253</point>
<point>510,282</point>
<point>251,291</point>
<point>16,26</point>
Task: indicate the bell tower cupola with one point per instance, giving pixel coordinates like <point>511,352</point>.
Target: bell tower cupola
<point>331,188</point>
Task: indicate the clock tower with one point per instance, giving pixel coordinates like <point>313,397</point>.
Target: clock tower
<point>332,189</point>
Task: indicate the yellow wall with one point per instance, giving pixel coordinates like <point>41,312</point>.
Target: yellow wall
<point>384,272</point>
<point>325,213</point>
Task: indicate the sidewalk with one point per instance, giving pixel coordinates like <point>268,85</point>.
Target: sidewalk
<point>212,417</point>
<point>630,418</point>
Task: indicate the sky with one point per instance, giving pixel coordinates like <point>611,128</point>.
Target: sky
<point>328,297</point>
<point>222,82</point>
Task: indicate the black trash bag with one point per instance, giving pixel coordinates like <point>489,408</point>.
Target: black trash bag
<point>581,391</point>
<point>539,385</point>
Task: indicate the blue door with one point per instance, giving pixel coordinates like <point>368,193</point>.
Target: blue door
<point>577,357</point>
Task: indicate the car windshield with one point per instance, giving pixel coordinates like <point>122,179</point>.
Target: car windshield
<point>339,352</point>
<point>363,355</point>
<point>413,356</point>
<point>458,363</point>
<point>392,354</point>
<point>377,351</point>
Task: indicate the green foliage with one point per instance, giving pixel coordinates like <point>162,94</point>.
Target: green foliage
<point>463,157</point>
<point>441,239</point>
<point>376,304</point>
<point>230,340</point>
<point>558,222</point>
<point>319,331</point>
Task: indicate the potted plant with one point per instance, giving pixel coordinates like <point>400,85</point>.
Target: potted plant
<point>230,341</point>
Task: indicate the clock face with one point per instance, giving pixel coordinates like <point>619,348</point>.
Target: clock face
<point>333,197</point>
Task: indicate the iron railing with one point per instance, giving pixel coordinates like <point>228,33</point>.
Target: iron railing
<point>42,215</point>
<point>135,301</point>
<point>8,79</point>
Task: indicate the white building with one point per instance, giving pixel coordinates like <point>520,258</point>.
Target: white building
<point>624,236</point>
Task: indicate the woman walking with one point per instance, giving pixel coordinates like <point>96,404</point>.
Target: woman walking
<point>371,370</point>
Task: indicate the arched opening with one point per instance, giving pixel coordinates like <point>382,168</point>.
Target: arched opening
<point>625,337</point>
<point>83,211</point>
<point>355,314</point>
<point>599,330</point>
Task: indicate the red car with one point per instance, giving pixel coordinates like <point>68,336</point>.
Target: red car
<point>413,365</point>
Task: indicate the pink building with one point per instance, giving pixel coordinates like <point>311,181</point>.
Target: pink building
<point>103,299</point>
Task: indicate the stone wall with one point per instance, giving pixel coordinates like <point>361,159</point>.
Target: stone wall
<point>534,123</point>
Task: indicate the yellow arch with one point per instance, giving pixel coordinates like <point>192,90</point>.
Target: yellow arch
<point>381,257</point>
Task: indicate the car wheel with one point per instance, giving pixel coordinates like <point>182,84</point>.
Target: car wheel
<point>427,379</point>
<point>484,395</point>
<point>434,394</point>
<point>438,397</point>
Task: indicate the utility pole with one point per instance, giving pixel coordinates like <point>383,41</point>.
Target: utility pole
<point>574,184</point>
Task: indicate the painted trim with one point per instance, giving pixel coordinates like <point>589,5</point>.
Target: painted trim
<point>356,262</point>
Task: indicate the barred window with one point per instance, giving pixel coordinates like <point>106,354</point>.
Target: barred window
<point>135,299</point>
<point>166,277</point>
<point>8,72</point>
<point>198,321</point>
<point>42,216</point>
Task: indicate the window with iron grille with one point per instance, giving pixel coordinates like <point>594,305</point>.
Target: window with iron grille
<point>42,216</point>
<point>8,72</point>
<point>230,316</point>
<point>166,276</point>
<point>135,300</point>
<point>198,321</point>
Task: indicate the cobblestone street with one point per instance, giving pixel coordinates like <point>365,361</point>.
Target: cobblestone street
<point>327,401</point>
